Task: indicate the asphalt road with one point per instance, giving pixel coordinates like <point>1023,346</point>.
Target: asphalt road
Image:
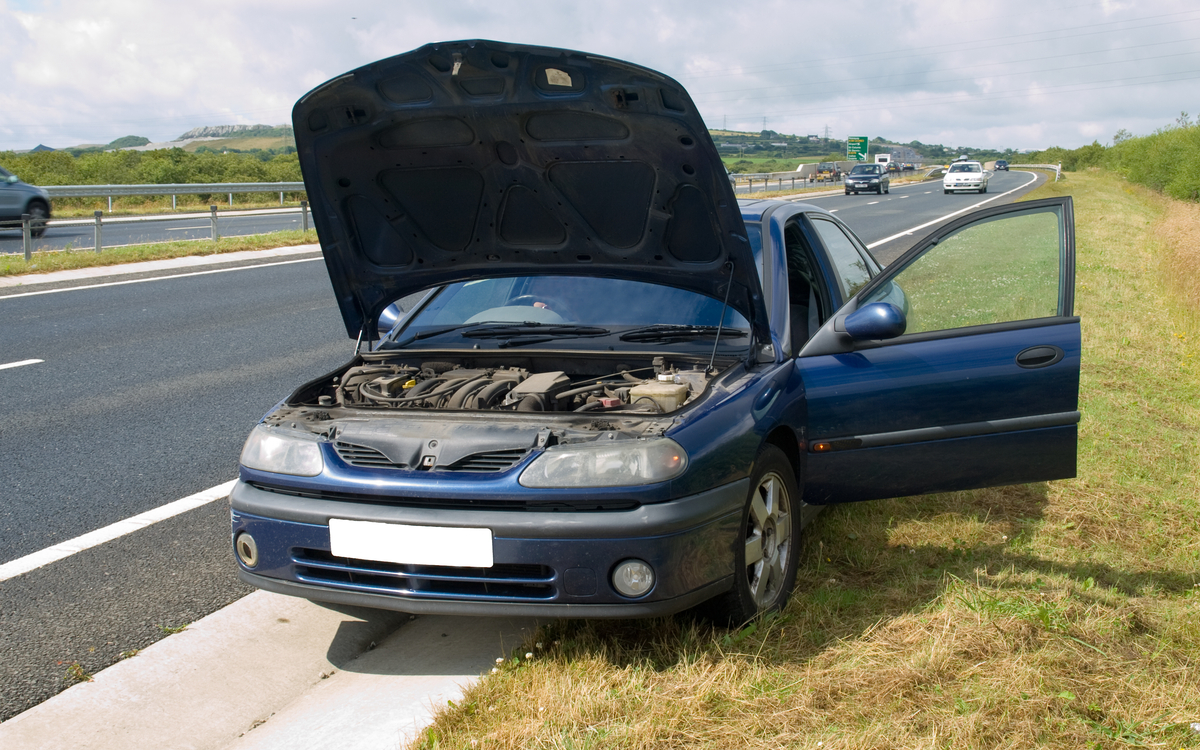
<point>145,396</point>
<point>117,232</point>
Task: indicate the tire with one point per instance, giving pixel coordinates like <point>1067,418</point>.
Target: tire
<point>946,192</point>
<point>888,189</point>
<point>38,214</point>
<point>847,192</point>
<point>767,550</point>
<point>983,189</point>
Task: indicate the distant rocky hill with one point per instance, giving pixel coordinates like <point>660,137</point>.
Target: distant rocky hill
<point>239,131</point>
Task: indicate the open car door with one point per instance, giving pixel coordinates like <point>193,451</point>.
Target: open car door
<point>955,368</point>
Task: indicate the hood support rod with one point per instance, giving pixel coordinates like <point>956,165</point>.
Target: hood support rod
<point>721,320</point>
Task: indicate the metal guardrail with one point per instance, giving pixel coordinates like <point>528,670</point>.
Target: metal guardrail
<point>1056,167</point>
<point>173,189</point>
<point>27,223</point>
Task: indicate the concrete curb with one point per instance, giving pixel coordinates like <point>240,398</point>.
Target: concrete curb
<point>272,672</point>
<point>150,266</point>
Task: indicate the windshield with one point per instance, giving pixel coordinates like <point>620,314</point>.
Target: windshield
<point>965,168</point>
<point>579,312</point>
<point>865,169</point>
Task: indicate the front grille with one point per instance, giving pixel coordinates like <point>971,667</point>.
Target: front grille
<point>491,461</point>
<point>458,503</point>
<point>361,455</point>
<point>499,582</point>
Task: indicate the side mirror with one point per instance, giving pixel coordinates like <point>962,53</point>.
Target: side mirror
<point>389,316</point>
<point>878,320</point>
<point>12,179</point>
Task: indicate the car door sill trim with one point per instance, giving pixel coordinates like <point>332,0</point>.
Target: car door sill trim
<point>945,432</point>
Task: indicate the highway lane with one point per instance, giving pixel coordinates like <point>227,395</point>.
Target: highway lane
<point>145,395</point>
<point>877,217</point>
<point>118,232</point>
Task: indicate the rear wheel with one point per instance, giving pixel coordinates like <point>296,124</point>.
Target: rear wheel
<point>768,548</point>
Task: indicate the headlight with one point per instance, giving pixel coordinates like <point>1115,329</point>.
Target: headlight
<point>606,463</point>
<point>874,181</point>
<point>282,452</point>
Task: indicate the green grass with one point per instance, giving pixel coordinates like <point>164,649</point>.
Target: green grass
<point>1050,615</point>
<point>995,272</point>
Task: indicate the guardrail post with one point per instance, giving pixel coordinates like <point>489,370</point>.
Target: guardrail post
<point>281,197</point>
<point>172,203</point>
<point>27,237</point>
<point>110,204</point>
<point>215,234</point>
<point>98,214</point>
<point>304,213</point>
<point>231,200</point>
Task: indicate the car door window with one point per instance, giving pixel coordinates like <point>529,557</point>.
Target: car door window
<point>852,270</point>
<point>1002,270</point>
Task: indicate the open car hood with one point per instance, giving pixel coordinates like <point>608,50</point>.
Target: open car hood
<point>476,159</point>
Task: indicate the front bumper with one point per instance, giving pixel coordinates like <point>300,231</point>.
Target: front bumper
<point>547,564</point>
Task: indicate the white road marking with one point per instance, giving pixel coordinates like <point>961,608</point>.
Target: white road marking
<point>185,229</point>
<point>872,203</point>
<point>157,278</point>
<point>35,560</point>
<point>971,207</point>
<point>906,196</point>
<point>22,363</point>
<point>833,210</point>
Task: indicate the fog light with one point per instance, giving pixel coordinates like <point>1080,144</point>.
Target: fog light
<point>633,578</point>
<point>247,549</point>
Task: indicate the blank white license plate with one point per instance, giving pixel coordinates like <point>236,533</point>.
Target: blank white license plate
<point>411,545</point>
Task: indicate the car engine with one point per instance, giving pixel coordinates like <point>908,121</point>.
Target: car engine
<point>451,386</point>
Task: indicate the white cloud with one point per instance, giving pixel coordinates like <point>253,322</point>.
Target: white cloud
<point>942,70</point>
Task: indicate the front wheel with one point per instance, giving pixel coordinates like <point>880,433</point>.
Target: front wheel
<point>888,189</point>
<point>37,220</point>
<point>768,546</point>
<point>946,192</point>
<point>983,189</point>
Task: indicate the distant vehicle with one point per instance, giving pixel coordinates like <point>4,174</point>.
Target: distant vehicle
<point>893,166</point>
<point>965,175</point>
<point>868,177</point>
<point>827,171</point>
<point>17,198</point>
<point>909,167</point>
<point>1001,164</point>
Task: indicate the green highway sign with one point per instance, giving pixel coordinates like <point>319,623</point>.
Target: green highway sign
<point>856,148</point>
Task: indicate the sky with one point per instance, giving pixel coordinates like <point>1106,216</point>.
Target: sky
<point>1022,74</point>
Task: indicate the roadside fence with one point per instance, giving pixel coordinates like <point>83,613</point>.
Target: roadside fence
<point>173,190</point>
<point>1056,167</point>
<point>29,223</point>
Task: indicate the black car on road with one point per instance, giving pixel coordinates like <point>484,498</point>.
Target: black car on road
<point>869,177</point>
<point>1001,164</point>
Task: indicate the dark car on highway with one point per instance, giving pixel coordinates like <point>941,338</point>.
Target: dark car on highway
<point>868,177</point>
<point>1001,164</point>
<point>612,389</point>
<point>18,198</point>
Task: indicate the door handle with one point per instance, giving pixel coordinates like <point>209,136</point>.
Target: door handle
<point>1039,356</point>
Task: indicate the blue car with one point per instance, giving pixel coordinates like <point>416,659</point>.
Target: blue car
<point>588,382</point>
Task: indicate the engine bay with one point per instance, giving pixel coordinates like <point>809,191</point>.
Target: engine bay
<point>660,388</point>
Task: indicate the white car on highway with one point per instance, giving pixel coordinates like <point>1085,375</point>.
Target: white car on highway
<point>966,175</point>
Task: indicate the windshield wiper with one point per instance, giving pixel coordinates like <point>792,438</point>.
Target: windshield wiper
<point>435,332</point>
<point>542,330</point>
<point>668,332</point>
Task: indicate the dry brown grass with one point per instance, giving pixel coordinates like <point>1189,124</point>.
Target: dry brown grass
<point>1060,615</point>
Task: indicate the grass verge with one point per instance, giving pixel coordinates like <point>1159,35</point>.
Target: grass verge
<point>1059,615</point>
<point>63,260</point>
